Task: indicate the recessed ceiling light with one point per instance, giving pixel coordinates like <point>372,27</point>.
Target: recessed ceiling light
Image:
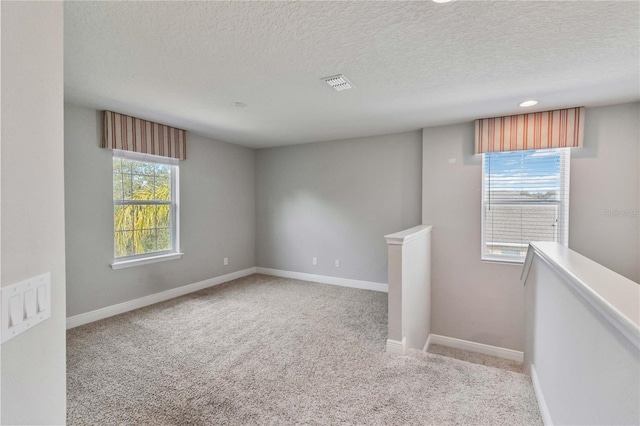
<point>528,103</point>
<point>339,82</point>
<point>442,1</point>
<point>238,104</point>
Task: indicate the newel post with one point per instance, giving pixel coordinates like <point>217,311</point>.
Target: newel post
<point>409,274</point>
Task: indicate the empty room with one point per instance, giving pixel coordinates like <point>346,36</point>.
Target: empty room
<point>320,212</point>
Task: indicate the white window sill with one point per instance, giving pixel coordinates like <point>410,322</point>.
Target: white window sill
<point>503,261</point>
<point>145,260</point>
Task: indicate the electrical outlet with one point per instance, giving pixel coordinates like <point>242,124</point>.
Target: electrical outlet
<point>314,261</point>
<point>337,263</point>
<point>226,261</point>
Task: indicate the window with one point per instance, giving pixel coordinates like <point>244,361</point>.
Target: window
<point>145,207</point>
<point>525,197</point>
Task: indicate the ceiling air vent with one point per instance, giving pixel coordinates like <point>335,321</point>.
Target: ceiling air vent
<point>339,82</point>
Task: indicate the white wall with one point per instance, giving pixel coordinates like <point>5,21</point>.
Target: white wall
<point>605,176</point>
<point>483,301</point>
<point>585,367</point>
<point>217,217</point>
<point>416,291</point>
<point>32,224</point>
<point>409,287</point>
<point>336,200</point>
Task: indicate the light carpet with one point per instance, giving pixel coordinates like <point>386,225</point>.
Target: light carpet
<point>476,358</point>
<point>266,350</point>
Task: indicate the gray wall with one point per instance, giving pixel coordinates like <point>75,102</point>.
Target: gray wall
<point>605,176</point>
<point>483,301</point>
<point>33,364</point>
<point>217,218</point>
<point>471,299</point>
<point>336,200</point>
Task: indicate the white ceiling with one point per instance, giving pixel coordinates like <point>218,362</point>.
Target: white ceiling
<point>414,64</point>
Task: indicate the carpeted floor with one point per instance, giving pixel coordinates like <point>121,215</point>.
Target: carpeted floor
<point>266,350</point>
<point>476,358</point>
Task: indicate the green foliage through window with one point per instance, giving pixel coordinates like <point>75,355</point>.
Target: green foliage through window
<point>142,211</point>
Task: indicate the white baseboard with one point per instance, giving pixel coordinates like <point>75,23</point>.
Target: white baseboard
<point>542,403</point>
<point>109,311</point>
<point>427,343</point>
<point>480,348</point>
<point>130,305</point>
<point>396,347</point>
<point>325,279</point>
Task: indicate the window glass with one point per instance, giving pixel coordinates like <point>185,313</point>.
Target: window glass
<point>525,197</point>
<point>144,206</point>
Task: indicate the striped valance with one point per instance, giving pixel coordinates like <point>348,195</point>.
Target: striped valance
<point>133,134</point>
<point>563,128</point>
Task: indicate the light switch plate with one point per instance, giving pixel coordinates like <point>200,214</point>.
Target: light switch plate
<point>15,310</point>
<point>30,303</point>
<point>43,299</point>
<point>24,305</point>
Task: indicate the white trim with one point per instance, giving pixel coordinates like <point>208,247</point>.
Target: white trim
<point>144,260</point>
<point>396,347</point>
<point>130,305</point>
<point>174,205</point>
<point>403,237</point>
<point>542,403</point>
<point>427,344</point>
<point>480,348</point>
<point>147,158</point>
<point>502,260</point>
<point>325,279</point>
<point>518,245</point>
<point>563,208</point>
<point>528,260</point>
<point>612,295</point>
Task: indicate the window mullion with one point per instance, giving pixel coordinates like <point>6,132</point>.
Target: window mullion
<point>141,202</point>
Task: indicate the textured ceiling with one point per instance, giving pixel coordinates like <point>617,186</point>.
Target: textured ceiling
<point>415,64</point>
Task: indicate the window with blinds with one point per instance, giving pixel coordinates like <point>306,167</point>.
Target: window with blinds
<point>525,197</point>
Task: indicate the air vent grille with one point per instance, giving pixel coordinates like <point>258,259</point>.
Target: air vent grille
<point>339,82</point>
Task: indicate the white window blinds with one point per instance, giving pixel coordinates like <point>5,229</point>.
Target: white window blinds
<point>525,198</point>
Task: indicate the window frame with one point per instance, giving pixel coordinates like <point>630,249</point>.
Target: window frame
<point>156,256</point>
<point>563,209</point>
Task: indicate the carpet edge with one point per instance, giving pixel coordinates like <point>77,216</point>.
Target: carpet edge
<point>130,305</point>
<point>481,348</point>
<point>325,279</point>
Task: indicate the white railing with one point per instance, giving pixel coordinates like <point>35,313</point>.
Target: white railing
<point>582,346</point>
<point>409,288</point>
